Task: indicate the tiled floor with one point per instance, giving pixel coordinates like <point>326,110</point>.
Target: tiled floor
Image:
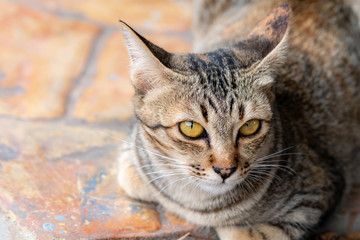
<point>64,100</point>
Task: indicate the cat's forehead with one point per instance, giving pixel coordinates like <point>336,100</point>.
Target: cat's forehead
<point>218,80</point>
<point>219,71</point>
<point>216,60</point>
<point>216,73</point>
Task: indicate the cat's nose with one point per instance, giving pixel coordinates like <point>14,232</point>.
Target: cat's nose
<point>224,172</point>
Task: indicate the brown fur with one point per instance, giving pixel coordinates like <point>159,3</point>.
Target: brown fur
<point>295,70</point>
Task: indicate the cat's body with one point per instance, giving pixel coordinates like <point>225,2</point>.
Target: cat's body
<point>299,85</point>
<point>322,64</point>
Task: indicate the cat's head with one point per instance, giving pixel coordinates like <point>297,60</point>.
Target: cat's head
<point>209,115</point>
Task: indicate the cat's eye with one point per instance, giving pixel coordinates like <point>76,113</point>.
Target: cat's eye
<point>191,129</point>
<point>250,127</point>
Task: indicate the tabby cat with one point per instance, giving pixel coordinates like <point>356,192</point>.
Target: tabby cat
<point>255,132</point>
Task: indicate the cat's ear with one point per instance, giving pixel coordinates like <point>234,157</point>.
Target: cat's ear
<point>269,40</point>
<point>147,61</point>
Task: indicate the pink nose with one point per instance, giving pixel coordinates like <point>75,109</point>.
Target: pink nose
<point>224,172</point>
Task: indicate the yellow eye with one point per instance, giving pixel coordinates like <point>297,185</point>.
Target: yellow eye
<point>191,129</point>
<point>250,127</point>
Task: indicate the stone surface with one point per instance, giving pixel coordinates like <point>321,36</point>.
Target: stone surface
<point>59,181</point>
<point>41,55</point>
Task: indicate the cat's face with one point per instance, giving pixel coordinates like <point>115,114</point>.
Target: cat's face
<point>206,118</point>
<point>214,139</point>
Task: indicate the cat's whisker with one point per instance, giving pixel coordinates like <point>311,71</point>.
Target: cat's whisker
<point>234,197</point>
<point>169,158</point>
<point>174,168</point>
<point>282,167</point>
<point>134,145</point>
<point>273,165</point>
<point>248,184</point>
<point>165,165</point>
<point>277,155</point>
<point>193,179</point>
<point>264,170</point>
<point>278,152</point>
<point>110,136</point>
<point>173,182</point>
<point>188,178</point>
<point>195,187</point>
<point>270,174</point>
<point>257,177</point>
<point>160,172</point>
<point>141,131</point>
<point>270,161</point>
<point>167,175</point>
<point>174,160</point>
<point>261,170</point>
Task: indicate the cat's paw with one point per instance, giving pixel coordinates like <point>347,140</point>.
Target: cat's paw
<point>262,231</point>
<point>130,181</point>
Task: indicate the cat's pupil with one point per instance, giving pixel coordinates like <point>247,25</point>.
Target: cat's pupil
<point>190,124</point>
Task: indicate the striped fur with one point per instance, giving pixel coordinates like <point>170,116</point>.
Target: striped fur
<point>296,72</point>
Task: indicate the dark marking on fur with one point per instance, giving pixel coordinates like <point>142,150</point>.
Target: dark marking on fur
<point>212,104</point>
<point>241,110</point>
<point>282,228</point>
<point>231,105</point>
<point>155,140</point>
<point>157,126</point>
<point>251,232</point>
<point>204,112</point>
<point>262,234</point>
<point>246,165</point>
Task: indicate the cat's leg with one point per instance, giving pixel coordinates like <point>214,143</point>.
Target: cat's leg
<point>263,231</point>
<point>130,180</point>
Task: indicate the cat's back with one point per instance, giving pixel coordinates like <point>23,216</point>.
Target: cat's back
<point>318,86</point>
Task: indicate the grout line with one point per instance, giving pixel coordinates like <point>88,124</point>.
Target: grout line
<point>86,77</point>
<point>78,16</point>
<point>118,125</point>
<point>61,13</point>
<point>89,71</point>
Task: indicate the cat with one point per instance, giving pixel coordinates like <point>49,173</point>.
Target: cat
<point>255,132</point>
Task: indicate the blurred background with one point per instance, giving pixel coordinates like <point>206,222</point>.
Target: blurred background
<point>65,59</point>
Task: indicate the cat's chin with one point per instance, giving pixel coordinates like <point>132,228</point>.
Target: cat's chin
<point>217,188</point>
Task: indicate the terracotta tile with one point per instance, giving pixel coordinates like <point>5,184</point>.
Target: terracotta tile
<point>40,57</point>
<point>109,96</point>
<point>70,191</point>
<point>164,15</point>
